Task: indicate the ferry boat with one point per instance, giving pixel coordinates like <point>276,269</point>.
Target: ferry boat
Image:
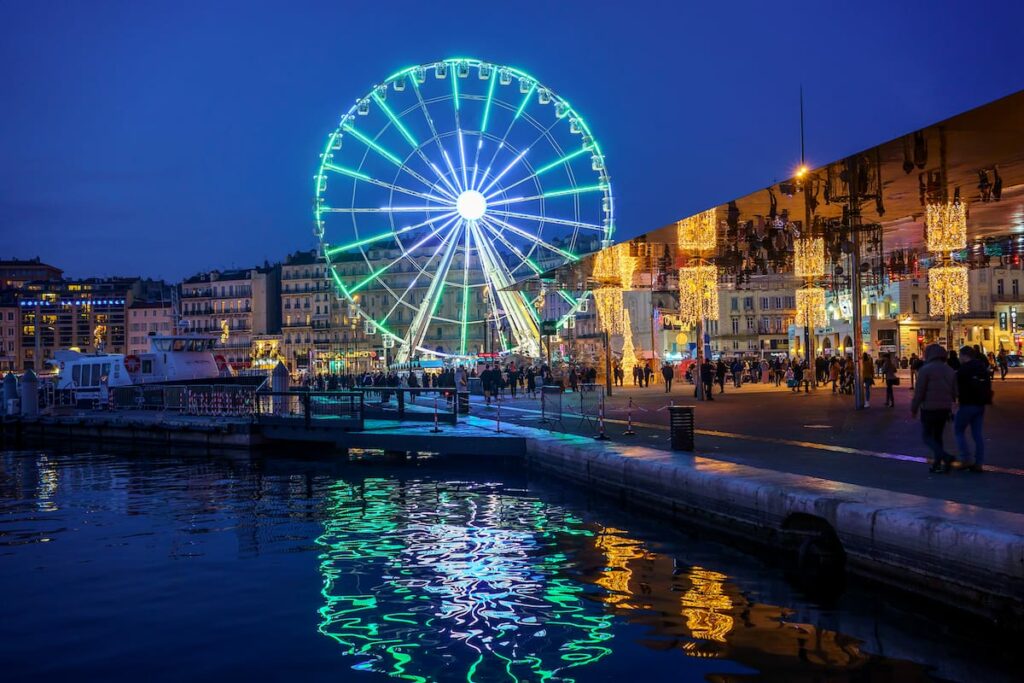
<point>172,359</point>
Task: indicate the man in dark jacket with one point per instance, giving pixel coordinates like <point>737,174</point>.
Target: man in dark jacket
<point>974,388</point>
<point>934,395</point>
<point>668,373</point>
<point>707,379</point>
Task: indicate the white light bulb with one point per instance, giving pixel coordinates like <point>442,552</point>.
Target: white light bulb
<point>471,205</point>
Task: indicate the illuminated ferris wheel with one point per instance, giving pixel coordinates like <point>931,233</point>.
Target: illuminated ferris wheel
<point>445,185</point>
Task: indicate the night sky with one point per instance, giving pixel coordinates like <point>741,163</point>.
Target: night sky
<point>161,139</point>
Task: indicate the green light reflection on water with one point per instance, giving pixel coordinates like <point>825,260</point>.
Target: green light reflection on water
<point>422,576</point>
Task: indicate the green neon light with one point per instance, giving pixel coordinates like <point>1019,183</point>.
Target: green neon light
<point>553,164</point>
<point>455,87</point>
<point>341,285</point>
<point>369,240</point>
<point>568,297</point>
<point>372,144</point>
<point>346,171</point>
<point>394,119</point>
<point>369,278</point>
<point>574,190</point>
<point>490,98</point>
<point>533,265</point>
<point>529,307</point>
<point>526,100</point>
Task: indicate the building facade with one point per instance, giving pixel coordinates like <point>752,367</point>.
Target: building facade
<point>146,319</point>
<point>235,305</point>
<point>754,320</point>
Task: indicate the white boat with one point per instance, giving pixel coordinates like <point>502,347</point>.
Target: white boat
<point>172,359</point>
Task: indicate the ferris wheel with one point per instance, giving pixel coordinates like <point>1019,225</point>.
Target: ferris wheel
<point>444,186</point>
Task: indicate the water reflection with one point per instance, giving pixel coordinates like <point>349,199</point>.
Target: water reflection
<point>419,578</point>
<point>431,576</point>
<point>423,576</point>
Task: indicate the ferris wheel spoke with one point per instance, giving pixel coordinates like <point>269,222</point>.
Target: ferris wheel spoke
<point>548,219</point>
<point>548,195</point>
<point>386,235</point>
<point>483,124</point>
<point>458,131</point>
<point>359,175</point>
<point>383,269</point>
<point>420,272</point>
<point>497,273</point>
<point>489,282</point>
<point>384,209</point>
<point>418,327</point>
<point>501,238</point>
<point>519,112</point>
<point>436,138</point>
<point>533,238</point>
<point>541,171</point>
<point>393,158</point>
<point>507,169</point>
<point>465,289</point>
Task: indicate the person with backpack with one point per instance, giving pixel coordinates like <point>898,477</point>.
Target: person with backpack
<point>974,388</point>
<point>934,395</point>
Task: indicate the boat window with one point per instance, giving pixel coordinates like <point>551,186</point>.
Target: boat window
<point>94,374</point>
<point>147,367</point>
<point>106,370</point>
<point>162,344</point>
<point>178,345</point>
<point>76,374</point>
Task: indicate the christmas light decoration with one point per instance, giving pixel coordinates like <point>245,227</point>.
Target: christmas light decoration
<point>698,293</point>
<point>810,307</point>
<point>628,350</point>
<point>698,233</point>
<point>946,224</point>
<point>610,309</point>
<point>809,257</point>
<point>947,290</point>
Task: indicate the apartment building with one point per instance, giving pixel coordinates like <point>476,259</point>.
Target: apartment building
<point>146,319</point>
<point>236,305</point>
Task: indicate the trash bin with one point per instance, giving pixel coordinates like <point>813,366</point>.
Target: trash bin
<point>463,403</point>
<point>681,427</point>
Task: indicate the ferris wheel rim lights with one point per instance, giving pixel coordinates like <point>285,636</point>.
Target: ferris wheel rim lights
<point>455,197</point>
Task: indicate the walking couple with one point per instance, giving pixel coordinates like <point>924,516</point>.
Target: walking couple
<point>937,387</point>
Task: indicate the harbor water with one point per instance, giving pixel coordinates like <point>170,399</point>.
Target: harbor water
<point>169,567</point>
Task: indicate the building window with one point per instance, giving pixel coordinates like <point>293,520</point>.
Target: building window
<point>735,305</point>
<point>999,286</point>
<point>764,302</point>
<point>735,326</point>
<point>1016,288</point>
<point>914,301</point>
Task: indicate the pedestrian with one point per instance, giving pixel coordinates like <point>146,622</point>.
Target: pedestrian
<point>934,394</point>
<point>647,374</point>
<point>737,373</point>
<point>1004,364</point>
<point>707,379</point>
<point>668,373</point>
<point>891,380</point>
<point>867,376</point>
<point>915,365</point>
<point>833,373</point>
<point>720,370</point>
<point>974,390</point>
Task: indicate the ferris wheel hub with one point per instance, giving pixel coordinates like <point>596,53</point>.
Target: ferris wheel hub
<point>471,205</point>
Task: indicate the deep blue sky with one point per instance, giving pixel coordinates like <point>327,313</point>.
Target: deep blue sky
<point>160,139</point>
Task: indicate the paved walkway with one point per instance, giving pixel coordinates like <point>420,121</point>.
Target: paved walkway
<point>816,434</point>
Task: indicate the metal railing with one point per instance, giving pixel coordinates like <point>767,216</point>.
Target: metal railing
<point>321,407</point>
<point>415,403</point>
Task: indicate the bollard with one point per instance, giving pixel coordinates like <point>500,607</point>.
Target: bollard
<point>279,383</point>
<point>436,429</point>
<point>629,419</point>
<point>543,416</point>
<point>30,394</point>
<point>10,405</point>
<point>601,436</point>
